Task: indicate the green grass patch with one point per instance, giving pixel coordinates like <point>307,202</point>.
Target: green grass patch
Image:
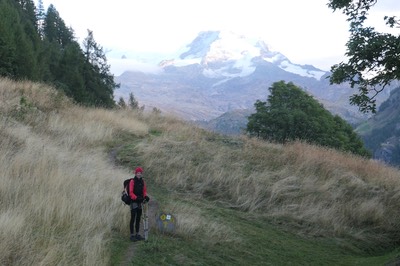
<point>155,132</point>
<point>118,247</point>
<point>260,242</point>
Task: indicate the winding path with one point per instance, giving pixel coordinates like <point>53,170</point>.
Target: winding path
<point>130,252</point>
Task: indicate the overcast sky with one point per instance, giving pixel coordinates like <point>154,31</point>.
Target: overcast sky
<point>307,32</point>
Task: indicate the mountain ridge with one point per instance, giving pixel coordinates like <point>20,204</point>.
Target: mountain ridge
<point>381,133</point>
<point>219,72</point>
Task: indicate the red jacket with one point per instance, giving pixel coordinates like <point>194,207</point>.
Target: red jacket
<point>132,189</point>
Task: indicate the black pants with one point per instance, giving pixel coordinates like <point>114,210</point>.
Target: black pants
<point>136,214</point>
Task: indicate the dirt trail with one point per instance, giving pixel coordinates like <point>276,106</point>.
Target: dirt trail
<point>153,212</point>
<point>130,252</point>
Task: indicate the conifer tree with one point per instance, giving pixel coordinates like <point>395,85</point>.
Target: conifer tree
<point>133,103</point>
<point>8,21</point>
<point>55,30</point>
<point>18,40</point>
<point>41,15</point>
<point>38,46</point>
<point>98,80</point>
<point>121,103</point>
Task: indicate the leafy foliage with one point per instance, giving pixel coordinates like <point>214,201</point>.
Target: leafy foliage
<point>291,114</point>
<point>373,56</point>
<point>38,46</point>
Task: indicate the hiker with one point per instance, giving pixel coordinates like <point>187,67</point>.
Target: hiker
<point>138,193</point>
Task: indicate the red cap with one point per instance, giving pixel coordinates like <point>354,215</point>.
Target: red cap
<point>138,170</point>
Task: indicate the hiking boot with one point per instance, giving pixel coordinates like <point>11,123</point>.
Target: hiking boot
<point>132,237</point>
<point>139,237</point>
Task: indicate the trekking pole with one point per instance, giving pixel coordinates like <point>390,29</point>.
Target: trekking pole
<point>145,218</point>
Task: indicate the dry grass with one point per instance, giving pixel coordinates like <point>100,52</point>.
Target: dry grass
<point>338,193</point>
<point>38,95</point>
<point>59,193</point>
<point>57,201</point>
<point>84,127</point>
<point>194,221</point>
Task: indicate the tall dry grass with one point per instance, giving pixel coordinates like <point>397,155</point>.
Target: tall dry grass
<point>59,192</point>
<point>192,221</point>
<point>335,193</point>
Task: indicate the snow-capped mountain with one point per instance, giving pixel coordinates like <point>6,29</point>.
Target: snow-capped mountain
<point>228,55</point>
<point>220,71</point>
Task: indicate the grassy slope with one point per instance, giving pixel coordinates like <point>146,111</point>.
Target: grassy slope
<point>238,238</point>
<point>237,200</point>
<point>260,241</point>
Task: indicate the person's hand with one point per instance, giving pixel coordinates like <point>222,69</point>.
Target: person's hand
<point>146,199</point>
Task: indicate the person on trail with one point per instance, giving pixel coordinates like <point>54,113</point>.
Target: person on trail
<point>138,192</point>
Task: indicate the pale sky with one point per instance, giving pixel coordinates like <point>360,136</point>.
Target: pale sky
<point>307,32</point>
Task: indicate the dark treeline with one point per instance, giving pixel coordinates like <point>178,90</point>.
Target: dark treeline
<point>37,45</point>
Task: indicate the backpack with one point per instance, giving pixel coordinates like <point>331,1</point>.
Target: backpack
<point>125,196</point>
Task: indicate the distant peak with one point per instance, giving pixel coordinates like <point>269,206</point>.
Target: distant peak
<point>222,39</point>
<point>200,45</point>
<point>226,54</point>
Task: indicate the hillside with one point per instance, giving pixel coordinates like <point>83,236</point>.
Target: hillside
<point>236,200</point>
<point>381,132</point>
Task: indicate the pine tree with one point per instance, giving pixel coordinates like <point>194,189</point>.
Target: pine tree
<point>8,21</point>
<point>41,15</point>
<point>55,30</point>
<point>133,103</point>
<point>98,80</point>
<point>18,40</point>
<point>70,70</point>
<point>38,46</point>
<point>121,103</point>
